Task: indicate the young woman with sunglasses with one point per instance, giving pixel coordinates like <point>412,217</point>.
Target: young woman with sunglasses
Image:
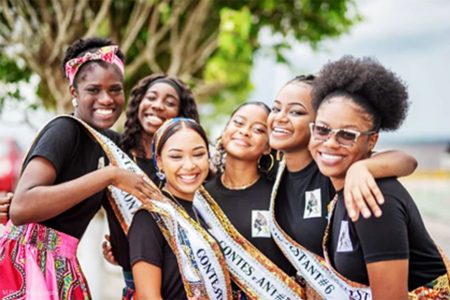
<point>181,154</point>
<point>393,254</point>
<point>153,100</point>
<point>61,186</point>
<point>302,193</point>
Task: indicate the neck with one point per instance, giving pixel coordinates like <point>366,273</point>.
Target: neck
<point>239,174</point>
<point>146,143</point>
<point>338,183</point>
<point>174,193</point>
<point>297,160</point>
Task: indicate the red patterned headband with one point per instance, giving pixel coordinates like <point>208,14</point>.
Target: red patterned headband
<point>107,54</point>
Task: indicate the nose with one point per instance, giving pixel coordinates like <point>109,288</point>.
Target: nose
<point>158,104</point>
<point>188,163</point>
<point>331,141</point>
<point>245,130</point>
<point>280,116</point>
<point>106,99</point>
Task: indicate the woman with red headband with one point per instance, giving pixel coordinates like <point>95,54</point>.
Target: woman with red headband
<point>63,181</point>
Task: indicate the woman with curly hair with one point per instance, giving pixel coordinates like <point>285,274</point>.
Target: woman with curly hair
<point>153,100</point>
<point>355,99</point>
<point>301,193</point>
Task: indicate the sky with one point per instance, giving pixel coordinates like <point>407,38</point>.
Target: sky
<point>410,37</point>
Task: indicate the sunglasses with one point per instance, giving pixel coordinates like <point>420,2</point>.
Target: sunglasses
<point>344,137</point>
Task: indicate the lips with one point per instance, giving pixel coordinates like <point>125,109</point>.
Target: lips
<point>188,178</point>
<point>280,132</point>
<point>104,112</point>
<point>241,142</point>
<point>330,159</point>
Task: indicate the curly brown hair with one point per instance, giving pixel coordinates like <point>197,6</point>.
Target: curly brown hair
<point>131,138</point>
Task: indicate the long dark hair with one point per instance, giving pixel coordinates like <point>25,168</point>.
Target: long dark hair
<point>131,138</point>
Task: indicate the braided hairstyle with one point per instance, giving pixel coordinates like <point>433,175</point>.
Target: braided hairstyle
<point>81,47</point>
<point>131,138</point>
<point>380,92</point>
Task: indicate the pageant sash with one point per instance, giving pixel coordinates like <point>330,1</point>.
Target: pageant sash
<point>201,263</point>
<point>439,289</point>
<point>313,268</point>
<point>255,274</point>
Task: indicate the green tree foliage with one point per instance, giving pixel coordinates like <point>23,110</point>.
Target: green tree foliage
<point>208,43</point>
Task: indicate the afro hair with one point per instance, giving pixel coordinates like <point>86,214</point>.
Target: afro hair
<point>376,89</point>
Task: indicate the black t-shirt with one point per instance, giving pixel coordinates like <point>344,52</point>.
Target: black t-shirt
<point>118,239</point>
<point>301,206</point>
<point>248,211</point>
<point>398,234</point>
<point>148,244</point>
<point>67,146</point>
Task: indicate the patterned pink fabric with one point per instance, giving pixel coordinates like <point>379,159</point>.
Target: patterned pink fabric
<point>37,262</point>
<point>107,54</point>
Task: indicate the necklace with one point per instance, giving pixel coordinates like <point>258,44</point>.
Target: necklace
<point>237,188</point>
<point>179,204</point>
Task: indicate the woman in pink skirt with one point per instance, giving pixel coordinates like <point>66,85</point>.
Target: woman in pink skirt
<point>63,181</point>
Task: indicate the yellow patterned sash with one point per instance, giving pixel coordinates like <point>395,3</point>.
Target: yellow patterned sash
<point>200,261</point>
<point>253,272</point>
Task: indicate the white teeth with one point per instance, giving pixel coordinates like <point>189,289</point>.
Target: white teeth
<point>188,177</point>
<point>330,158</point>
<point>280,130</point>
<point>103,111</point>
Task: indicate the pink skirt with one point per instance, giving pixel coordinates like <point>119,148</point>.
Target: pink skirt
<point>37,262</point>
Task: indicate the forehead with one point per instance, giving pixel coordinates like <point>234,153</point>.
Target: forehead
<point>97,72</point>
<point>342,112</point>
<point>295,92</point>
<point>162,87</point>
<point>184,139</point>
<point>253,113</point>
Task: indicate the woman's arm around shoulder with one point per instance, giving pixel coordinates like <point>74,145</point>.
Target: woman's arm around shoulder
<point>361,192</point>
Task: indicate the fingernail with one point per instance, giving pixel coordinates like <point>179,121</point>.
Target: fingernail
<point>378,213</point>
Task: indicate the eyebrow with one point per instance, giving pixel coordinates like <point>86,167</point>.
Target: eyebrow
<point>290,103</point>
<point>179,150</point>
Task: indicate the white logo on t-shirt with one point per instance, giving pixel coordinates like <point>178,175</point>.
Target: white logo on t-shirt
<point>313,204</point>
<point>344,241</point>
<point>260,226</point>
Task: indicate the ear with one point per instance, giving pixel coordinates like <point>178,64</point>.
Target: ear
<point>159,163</point>
<point>373,138</point>
<point>73,91</point>
<point>267,149</point>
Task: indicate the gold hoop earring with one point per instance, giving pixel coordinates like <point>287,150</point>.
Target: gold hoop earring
<point>271,165</point>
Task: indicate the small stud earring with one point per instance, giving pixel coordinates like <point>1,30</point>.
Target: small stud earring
<point>74,102</point>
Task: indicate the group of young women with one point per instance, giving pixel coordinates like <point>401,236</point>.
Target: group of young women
<point>277,219</point>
